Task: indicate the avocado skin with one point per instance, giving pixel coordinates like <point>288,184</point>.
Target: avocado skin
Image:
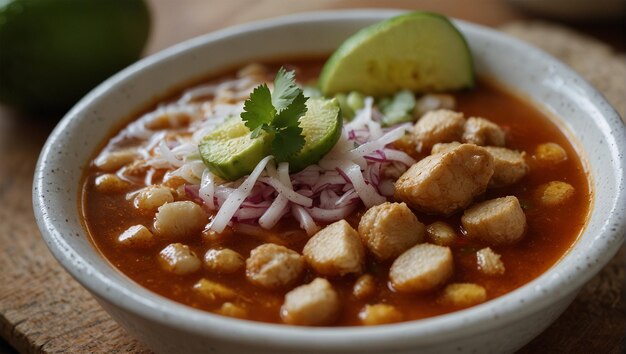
<point>52,52</point>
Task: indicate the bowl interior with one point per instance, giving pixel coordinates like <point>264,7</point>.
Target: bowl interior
<point>586,117</point>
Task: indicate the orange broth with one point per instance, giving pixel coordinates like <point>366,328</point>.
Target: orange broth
<point>551,231</point>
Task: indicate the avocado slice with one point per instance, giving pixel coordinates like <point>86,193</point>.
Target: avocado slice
<point>321,127</point>
<point>230,152</point>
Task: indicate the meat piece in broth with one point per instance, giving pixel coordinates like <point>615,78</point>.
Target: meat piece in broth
<point>389,229</point>
<point>481,131</point>
<point>495,222</point>
<point>440,126</point>
<point>509,166</point>
<point>272,266</point>
<point>422,268</point>
<point>446,182</point>
<point>313,304</point>
<point>335,250</point>
<point>444,147</point>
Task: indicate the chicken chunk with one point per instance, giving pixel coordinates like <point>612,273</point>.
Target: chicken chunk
<point>446,182</point>
<point>137,236</point>
<point>509,166</point>
<point>335,250</point>
<point>177,220</point>
<point>463,295</point>
<point>441,233</point>
<point>313,304</point>
<point>379,314</point>
<point>150,198</point>
<point>481,131</point>
<point>489,262</point>
<point>444,147</point>
<point>495,222</point>
<point>109,183</point>
<point>224,261</point>
<point>550,154</point>
<point>272,266</point>
<point>440,126</point>
<point>422,268</point>
<point>554,193</point>
<point>364,287</point>
<point>179,259</point>
<point>213,291</point>
<point>389,229</point>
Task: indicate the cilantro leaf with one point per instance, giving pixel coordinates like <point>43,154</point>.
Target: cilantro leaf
<point>258,109</point>
<point>285,89</point>
<point>287,142</point>
<point>277,113</point>
<point>289,117</point>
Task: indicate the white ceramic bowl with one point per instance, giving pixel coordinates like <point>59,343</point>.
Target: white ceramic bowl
<point>501,325</point>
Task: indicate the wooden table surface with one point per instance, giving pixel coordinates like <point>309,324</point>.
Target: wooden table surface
<point>43,310</point>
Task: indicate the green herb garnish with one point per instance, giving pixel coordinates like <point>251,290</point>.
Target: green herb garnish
<point>278,113</point>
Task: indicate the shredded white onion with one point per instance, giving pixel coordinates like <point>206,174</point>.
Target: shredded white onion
<point>168,155</point>
<point>232,203</point>
<point>305,220</point>
<point>207,189</point>
<point>360,168</point>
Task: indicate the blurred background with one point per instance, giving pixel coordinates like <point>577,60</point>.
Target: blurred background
<point>52,52</point>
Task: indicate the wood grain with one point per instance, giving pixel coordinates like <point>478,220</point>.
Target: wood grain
<point>43,310</point>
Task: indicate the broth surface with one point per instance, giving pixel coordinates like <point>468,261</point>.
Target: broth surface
<point>550,233</point>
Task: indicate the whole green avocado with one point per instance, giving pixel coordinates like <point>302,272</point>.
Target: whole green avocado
<point>52,52</point>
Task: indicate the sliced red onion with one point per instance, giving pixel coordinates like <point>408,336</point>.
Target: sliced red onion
<point>289,193</point>
<point>347,198</point>
<point>400,156</point>
<point>249,213</point>
<point>230,206</point>
<point>261,205</point>
<point>328,199</point>
<point>191,190</point>
<point>380,143</point>
<point>366,192</point>
<point>386,187</point>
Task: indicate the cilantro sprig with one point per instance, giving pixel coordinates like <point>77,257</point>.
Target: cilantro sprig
<point>278,113</point>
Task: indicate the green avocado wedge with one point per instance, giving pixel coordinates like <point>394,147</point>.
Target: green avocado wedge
<point>321,127</point>
<point>230,152</point>
<point>418,51</point>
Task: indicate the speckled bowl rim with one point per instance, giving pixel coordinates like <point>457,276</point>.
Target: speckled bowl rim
<point>558,283</point>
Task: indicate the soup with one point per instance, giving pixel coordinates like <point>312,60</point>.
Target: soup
<point>478,197</point>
